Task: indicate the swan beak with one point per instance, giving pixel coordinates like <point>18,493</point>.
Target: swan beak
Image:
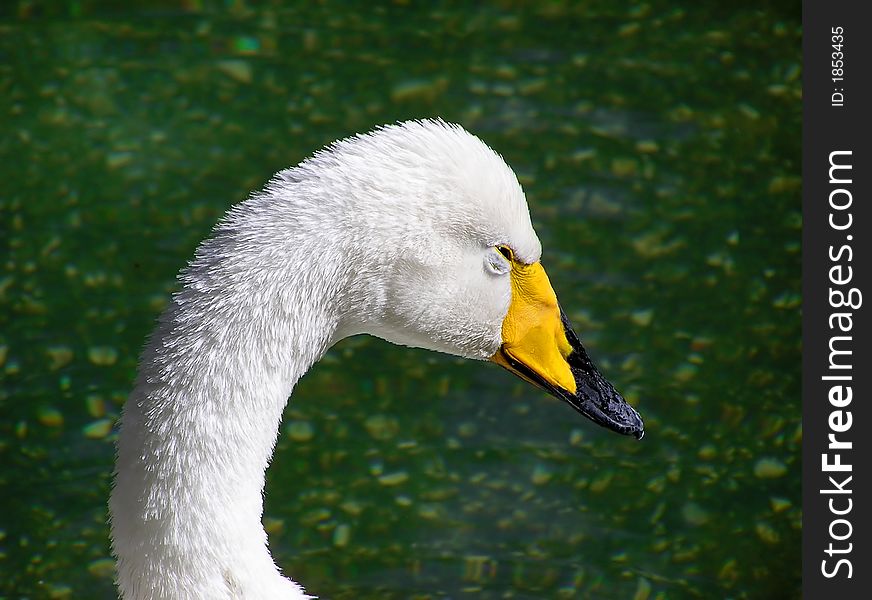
<point>539,346</point>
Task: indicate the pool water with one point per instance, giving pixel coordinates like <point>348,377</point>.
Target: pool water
<point>658,145</point>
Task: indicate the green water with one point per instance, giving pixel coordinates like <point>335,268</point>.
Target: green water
<point>659,148</point>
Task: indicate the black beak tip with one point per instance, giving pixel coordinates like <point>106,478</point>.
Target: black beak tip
<point>626,420</point>
<point>599,401</point>
<point>637,427</point>
<point>595,397</point>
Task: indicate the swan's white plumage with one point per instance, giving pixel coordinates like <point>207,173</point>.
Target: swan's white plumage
<point>388,233</point>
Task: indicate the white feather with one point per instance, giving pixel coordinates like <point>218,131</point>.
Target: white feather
<point>389,233</point>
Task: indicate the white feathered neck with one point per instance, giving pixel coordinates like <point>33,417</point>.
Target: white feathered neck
<point>323,252</point>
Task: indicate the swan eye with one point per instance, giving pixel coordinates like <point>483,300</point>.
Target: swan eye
<point>507,252</point>
<point>495,263</point>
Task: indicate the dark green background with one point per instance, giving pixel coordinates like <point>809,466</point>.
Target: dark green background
<point>659,147</point>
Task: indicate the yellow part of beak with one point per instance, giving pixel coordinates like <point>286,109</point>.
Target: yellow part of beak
<point>533,334</point>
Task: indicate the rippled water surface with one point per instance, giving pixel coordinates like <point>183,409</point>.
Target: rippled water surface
<point>658,144</point>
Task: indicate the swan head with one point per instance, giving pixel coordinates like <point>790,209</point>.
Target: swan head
<point>440,253</point>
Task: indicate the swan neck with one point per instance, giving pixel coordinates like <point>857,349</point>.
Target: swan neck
<point>199,429</point>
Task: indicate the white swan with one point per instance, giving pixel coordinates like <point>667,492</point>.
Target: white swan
<point>417,233</point>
